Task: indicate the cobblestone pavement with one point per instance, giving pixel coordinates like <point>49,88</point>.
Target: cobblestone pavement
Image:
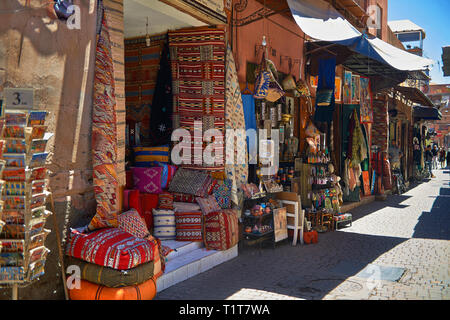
<point>409,231</point>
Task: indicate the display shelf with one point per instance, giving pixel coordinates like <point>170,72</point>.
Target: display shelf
<point>24,197</point>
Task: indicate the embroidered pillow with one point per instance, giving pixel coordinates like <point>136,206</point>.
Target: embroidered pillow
<point>131,222</point>
<point>147,180</point>
<point>149,156</point>
<point>193,182</point>
<point>189,226</point>
<point>185,207</point>
<point>167,174</point>
<point>208,204</point>
<point>165,201</point>
<point>183,197</point>
<point>222,193</point>
<point>164,227</point>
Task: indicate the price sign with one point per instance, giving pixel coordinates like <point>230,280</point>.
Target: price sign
<point>18,98</point>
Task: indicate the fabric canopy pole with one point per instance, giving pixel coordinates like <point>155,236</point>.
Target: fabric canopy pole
<point>319,20</point>
<point>104,132</point>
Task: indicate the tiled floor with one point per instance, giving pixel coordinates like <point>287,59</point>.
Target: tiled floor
<point>189,259</point>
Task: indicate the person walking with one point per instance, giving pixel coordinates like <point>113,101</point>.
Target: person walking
<point>434,151</point>
<point>448,158</point>
<point>442,157</point>
<point>429,160</point>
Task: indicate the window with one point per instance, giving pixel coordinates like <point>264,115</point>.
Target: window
<point>380,29</point>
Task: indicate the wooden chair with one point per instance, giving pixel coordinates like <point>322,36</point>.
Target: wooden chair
<point>292,200</point>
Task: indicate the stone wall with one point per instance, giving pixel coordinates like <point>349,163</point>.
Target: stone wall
<point>58,63</point>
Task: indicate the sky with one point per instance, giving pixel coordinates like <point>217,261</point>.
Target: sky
<point>434,17</point>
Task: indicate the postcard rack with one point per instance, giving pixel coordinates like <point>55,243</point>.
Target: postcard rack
<point>24,193</point>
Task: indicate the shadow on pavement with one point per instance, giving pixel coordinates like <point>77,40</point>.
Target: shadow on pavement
<point>303,271</point>
<point>436,223</point>
<point>393,201</point>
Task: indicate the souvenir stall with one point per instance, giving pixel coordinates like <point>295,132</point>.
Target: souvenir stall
<point>24,189</point>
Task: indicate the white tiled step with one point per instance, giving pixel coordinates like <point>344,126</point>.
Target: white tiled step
<point>181,247</point>
<point>192,263</point>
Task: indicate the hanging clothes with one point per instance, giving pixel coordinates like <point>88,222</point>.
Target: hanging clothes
<point>326,80</point>
<point>250,123</point>
<point>161,109</point>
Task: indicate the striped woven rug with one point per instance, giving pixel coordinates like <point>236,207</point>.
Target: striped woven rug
<point>198,86</point>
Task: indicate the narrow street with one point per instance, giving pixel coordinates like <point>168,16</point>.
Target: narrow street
<point>395,249</point>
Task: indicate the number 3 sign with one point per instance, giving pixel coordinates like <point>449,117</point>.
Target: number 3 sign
<point>18,98</point>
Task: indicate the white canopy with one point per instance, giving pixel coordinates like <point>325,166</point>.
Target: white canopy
<point>319,20</point>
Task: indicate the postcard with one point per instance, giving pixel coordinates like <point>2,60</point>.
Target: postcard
<point>16,118</point>
<point>14,160</point>
<point>13,216</point>
<point>14,174</point>
<point>36,118</point>
<point>13,231</point>
<point>38,159</point>
<point>38,200</point>
<point>12,245</point>
<point>15,146</point>
<point>13,202</point>
<point>38,132</point>
<point>38,173</point>
<point>14,131</point>
<point>38,186</point>
<point>38,254</point>
<point>11,259</point>
<point>14,188</point>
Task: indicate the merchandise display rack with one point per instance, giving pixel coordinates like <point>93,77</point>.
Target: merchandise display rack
<point>25,193</point>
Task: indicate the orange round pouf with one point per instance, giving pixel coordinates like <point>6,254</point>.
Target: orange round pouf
<point>93,291</point>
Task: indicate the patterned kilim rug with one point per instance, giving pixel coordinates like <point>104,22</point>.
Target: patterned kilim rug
<point>198,86</point>
<point>104,134</point>
<point>236,169</point>
<point>141,72</point>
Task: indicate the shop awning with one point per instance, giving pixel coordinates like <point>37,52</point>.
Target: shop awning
<point>415,95</point>
<point>426,113</point>
<point>319,20</point>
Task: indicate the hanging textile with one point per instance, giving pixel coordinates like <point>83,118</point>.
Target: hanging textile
<point>141,71</point>
<point>250,123</point>
<point>234,119</point>
<point>325,90</point>
<point>104,133</point>
<point>198,86</point>
<point>161,111</point>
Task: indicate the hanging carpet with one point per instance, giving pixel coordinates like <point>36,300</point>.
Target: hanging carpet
<point>104,134</point>
<point>198,86</point>
<point>236,166</point>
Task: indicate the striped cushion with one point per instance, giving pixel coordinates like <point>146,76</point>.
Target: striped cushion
<point>148,156</point>
<point>164,227</point>
<point>189,226</point>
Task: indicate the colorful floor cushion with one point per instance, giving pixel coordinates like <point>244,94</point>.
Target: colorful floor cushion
<point>131,222</point>
<point>222,193</point>
<point>159,261</point>
<point>221,229</point>
<point>148,203</point>
<point>185,207</point>
<point>110,247</point>
<point>193,182</point>
<point>208,204</point>
<point>111,277</point>
<point>164,227</point>
<point>149,156</point>
<point>147,180</point>
<point>92,291</point>
<point>165,201</point>
<point>189,226</point>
